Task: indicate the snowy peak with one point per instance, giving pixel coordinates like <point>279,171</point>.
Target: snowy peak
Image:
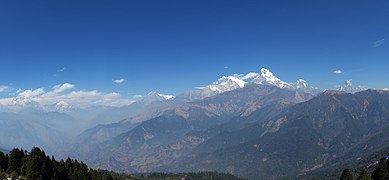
<point>301,83</point>
<point>348,83</point>
<point>154,97</point>
<point>226,83</point>
<point>268,78</point>
<point>159,96</point>
<point>223,84</point>
<point>264,77</point>
<point>350,88</point>
<point>166,97</point>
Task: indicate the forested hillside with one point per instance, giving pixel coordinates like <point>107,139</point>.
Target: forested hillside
<point>378,170</point>
<point>36,165</point>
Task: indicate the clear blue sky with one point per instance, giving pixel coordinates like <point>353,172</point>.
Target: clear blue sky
<point>171,46</point>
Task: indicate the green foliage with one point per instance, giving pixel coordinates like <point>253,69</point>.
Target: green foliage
<point>3,162</point>
<point>36,165</point>
<point>346,175</point>
<point>363,175</point>
<point>15,160</point>
<point>381,171</point>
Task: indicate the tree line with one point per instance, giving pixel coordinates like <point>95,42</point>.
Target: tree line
<point>378,172</point>
<point>36,165</point>
<point>20,164</point>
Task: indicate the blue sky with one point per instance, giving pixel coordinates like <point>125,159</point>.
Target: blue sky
<point>172,46</point>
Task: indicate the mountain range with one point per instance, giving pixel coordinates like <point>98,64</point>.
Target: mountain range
<point>253,125</point>
<point>236,81</point>
<point>302,140</point>
<point>172,134</point>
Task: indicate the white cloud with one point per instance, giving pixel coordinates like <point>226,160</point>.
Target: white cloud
<point>62,93</point>
<point>28,94</point>
<point>4,89</point>
<point>379,43</point>
<point>338,71</point>
<point>226,67</point>
<point>62,87</point>
<point>118,81</point>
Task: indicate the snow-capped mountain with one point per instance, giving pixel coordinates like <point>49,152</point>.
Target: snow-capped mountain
<point>264,77</point>
<point>155,97</point>
<point>301,84</point>
<point>350,88</point>
<point>225,83</point>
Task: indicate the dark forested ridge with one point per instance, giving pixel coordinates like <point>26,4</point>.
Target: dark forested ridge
<point>36,165</point>
<point>377,170</point>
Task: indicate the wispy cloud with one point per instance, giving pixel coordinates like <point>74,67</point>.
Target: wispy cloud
<point>379,43</point>
<point>225,67</point>
<point>118,81</point>
<point>338,71</point>
<point>3,88</point>
<point>61,70</point>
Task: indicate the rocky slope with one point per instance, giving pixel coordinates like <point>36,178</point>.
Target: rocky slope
<point>303,139</point>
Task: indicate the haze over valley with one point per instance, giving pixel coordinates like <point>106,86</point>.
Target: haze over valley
<point>194,89</point>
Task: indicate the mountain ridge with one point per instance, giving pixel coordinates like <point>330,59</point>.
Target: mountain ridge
<point>303,139</point>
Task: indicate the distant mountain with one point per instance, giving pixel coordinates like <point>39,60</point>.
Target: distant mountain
<point>33,129</point>
<point>303,139</point>
<point>154,97</point>
<point>350,87</point>
<point>246,124</point>
<point>4,150</point>
<point>162,140</point>
<point>229,83</point>
<point>115,121</point>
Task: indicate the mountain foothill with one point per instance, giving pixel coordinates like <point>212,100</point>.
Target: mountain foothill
<point>253,125</point>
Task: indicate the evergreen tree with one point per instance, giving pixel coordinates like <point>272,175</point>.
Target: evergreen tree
<point>346,175</point>
<point>47,170</point>
<point>32,165</point>
<point>60,171</point>
<point>3,161</point>
<point>15,161</point>
<point>37,166</point>
<point>381,171</point>
<point>363,175</point>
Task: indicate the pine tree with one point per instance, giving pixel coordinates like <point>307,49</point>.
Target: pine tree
<point>346,175</point>
<point>363,175</point>
<point>15,161</point>
<point>3,161</point>
<point>47,168</point>
<point>381,171</point>
<point>32,165</point>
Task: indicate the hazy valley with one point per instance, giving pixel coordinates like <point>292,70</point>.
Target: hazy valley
<point>254,126</point>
